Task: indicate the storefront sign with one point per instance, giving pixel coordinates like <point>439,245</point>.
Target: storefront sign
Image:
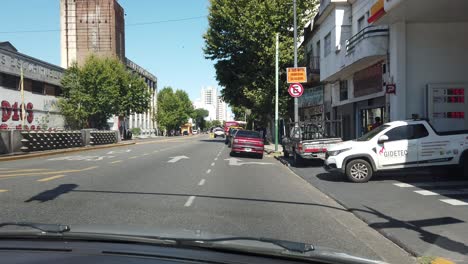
<point>11,63</point>
<point>311,97</point>
<point>391,89</point>
<point>368,81</point>
<point>377,11</point>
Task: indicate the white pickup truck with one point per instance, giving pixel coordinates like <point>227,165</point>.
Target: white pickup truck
<point>398,145</point>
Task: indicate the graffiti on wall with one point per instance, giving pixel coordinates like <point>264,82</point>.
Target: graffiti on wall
<point>14,112</point>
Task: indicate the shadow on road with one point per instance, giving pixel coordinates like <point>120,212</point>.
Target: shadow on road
<point>304,164</point>
<point>386,221</point>
<point>50,195</point>
<point>394,176</point>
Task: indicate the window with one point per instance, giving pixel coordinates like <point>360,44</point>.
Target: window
<point>343,90</point>
<point>418,131</point>
<point>38,87</point>
<point>360,23</point>
<point>327,48</point>
<point>9,81</point>
<point>58,91</point>
<point>398,133</point>
<point>407,132</point>
<point>318,49</point>
<point>246,133</point>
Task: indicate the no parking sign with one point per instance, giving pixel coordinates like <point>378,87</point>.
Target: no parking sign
<point>295,90</point>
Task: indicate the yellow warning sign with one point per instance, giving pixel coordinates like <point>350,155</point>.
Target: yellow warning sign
<point>297,75</point>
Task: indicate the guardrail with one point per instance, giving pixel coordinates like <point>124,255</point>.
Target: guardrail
<point>45,140</point>
<point>103,137</point>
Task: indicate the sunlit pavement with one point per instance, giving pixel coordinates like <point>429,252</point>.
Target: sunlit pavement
<point>424,212</point>
<point>184,183</point>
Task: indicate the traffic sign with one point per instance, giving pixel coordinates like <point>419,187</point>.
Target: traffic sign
<point>296,75</point>
<point>296,90</point>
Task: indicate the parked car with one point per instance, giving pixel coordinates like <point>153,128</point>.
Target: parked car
<point>245,141</point>
<point>307,141</point>
<point>194,132</point>
<point>232,131</point>
<point>185,133</point>
<point>218,132</point>
<point>399,145</point>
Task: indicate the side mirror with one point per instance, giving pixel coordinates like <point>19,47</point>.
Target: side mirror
<point>382,139</point>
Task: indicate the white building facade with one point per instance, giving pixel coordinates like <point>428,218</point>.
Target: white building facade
<point>221,110</point>
<point>373,59</point>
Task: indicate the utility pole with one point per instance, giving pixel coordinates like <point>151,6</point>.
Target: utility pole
<point>276,92</point>
<point>296,103</point>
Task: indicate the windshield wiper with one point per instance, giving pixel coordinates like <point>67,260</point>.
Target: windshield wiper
<point>296,247</point>
<point>49,228</point>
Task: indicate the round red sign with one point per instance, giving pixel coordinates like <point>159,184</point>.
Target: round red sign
<point>296,90</point>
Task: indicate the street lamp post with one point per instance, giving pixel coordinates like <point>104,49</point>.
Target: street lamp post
<point>296,103</point>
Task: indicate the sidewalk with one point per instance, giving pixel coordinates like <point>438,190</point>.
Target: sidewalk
<point>270,148</point>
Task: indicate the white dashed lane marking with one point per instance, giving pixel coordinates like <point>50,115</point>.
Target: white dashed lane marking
<point>208,171</point>
<point>202,182</point>
<point>212,164</point>
<point>453,202</point>
<point>440,188</point>
<point>189,201</point>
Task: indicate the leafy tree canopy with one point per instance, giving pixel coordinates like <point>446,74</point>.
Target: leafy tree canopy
<point>174,108</point>
<point>198,116</point>
<point>241,39</point>
<point>99,89</point>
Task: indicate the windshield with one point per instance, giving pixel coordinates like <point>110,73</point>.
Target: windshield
<point>371,134</point>
<point>121,115</point>
<point>250,134</point>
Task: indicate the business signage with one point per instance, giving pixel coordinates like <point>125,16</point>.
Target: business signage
<point>311,97</point>
<point>11,63</point>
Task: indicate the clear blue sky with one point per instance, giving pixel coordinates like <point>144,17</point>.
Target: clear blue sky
<point>172,51</point>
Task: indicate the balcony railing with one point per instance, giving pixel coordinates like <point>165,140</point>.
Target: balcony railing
<point>367,32</point>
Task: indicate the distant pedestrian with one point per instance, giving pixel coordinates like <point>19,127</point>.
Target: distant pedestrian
<point>377,123</point>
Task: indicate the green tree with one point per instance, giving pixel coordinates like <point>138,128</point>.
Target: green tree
<point>174,108</point>
<point>198,116</point>
<point>99,89</point>
<point>241,39</point>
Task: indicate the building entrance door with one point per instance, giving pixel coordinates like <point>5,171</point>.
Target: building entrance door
<point>368,118</point>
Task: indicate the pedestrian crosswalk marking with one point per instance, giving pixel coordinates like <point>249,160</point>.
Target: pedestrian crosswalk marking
<point>453,202</point>
<point>431,184</point>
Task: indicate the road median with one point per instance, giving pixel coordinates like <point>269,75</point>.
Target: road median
<point>18,156</point>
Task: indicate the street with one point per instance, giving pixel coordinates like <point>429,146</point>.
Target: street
<point>423,211</point>
<point>184,183</point>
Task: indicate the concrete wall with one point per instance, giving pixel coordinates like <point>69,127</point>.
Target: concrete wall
<point>338,25</point>
<point>436,53</point>
<point>45,112</point>
<point>10,141</point>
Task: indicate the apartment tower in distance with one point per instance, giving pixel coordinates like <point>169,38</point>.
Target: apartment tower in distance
<point>91,26</point>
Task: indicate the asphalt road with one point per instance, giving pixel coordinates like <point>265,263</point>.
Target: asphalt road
<point>184,183</point>
<point>424,211</point>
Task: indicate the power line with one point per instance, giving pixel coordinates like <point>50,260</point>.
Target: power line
<point>127,25</point>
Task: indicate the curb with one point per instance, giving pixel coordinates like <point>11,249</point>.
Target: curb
<point>62,151</point>
<point>387,235</point>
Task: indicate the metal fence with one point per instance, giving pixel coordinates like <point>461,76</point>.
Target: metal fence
<point>45,140</point>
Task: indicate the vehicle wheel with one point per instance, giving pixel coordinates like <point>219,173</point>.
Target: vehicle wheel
<point>298,161</point>
<point>260,156</point>
<point>232,154</point>
<point>359,171</point>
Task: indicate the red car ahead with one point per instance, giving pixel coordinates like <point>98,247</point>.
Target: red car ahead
<point>246,141</point>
